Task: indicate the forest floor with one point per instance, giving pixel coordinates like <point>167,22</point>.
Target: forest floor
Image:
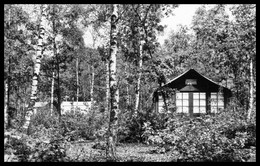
<point>84,151</point>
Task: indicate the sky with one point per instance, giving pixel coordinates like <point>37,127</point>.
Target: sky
<point>181,15</point>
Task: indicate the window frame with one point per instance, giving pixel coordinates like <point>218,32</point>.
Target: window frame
<point>182,99</point>
<point>199,99</point>
<point>219,97</point>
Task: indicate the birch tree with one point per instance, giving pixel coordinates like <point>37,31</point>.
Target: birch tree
<point>139,77</point>
<point>37,66</point>
<point>113,116</point>
<point>52,91</point>
<point>245,19</point>
<point>7,81</point>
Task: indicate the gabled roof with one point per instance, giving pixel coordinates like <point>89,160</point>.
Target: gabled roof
<point>187,72</point>
<point>192,73</point>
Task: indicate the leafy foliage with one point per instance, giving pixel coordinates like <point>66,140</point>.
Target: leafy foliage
<point>224,137</point>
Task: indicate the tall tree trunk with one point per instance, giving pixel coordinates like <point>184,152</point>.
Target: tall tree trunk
<point>127,89</point>
<point>57,65</point>
<point>139,79</point>
<point>7,82</point>
<point>77,75</point>
<point>37,66</point>
<point>52,91</point>
<point>6,103</point>
<point>107,86</point>
<point>251,99</point>
<point>164,101</point>
<point>58,87</point>
<point>127,97</point>
<point>113,118</point>
<point>92,87</point>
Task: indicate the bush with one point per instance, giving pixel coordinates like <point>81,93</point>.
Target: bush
<point>223,137</point>
<point>42,145</point>
<point>131,129</point>
<point>77,125</point>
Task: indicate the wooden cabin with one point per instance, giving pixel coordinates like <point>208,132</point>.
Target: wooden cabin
<point>191,93</point>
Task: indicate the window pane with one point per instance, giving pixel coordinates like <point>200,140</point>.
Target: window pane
<point>185,95</point>
<point>213,102</point>
<point>179,110</point>
<point>178,95</point>
<point>185,109</point>
<point>213,109</point>
<point>203,110</point>
<point>213,95</point>
<point>195,95</point>
<point>196,102</point>
<point>160,103</point>
<point>202,95</point>
<point>160,109</point>
<point>196,110</point>
<point>202,102</point>
<point>178,102</point>
<point>220,95</point>
<point>185,102</point>
<point>220,103</point>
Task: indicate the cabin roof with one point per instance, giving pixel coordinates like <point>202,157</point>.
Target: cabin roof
<point>188,71</point>
<point>179,81</point>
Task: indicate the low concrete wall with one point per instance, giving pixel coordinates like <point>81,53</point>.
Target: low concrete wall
<point>67,106</point>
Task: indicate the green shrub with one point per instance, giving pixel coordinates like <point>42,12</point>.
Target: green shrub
<point>223,137</point>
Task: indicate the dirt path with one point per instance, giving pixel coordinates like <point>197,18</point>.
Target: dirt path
<point>83,151</point>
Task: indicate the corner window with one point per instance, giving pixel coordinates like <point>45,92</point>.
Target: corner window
<point>216,102</point>
<point>160,104</point>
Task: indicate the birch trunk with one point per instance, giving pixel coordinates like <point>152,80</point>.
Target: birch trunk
<point>37,66</point>
<point>127,96</point>
<point>139,80</point>
<point>52,91</point>
<point>92,87</point>
<point>7,82</point>
<point>113,118</point>
<point>6,104</point>
<point>251,99</point>
<point>55,52</point>
<point>107,85</point>
<point>77,75</point>
<point>127,88</point>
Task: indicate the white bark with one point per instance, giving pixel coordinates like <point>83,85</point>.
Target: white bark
<point>107,86</point>
<point>7,82</point>
<point>6,104</point>
<point>77,75</point>
<point>139,78</point>
<point>52,91</point>
<point>92,87</point>
<point>113,119</point>
<point>37,67</point>
<point>251,97</point>
<point>127,96</point>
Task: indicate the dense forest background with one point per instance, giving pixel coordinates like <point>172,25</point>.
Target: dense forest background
<point>52,36</point>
